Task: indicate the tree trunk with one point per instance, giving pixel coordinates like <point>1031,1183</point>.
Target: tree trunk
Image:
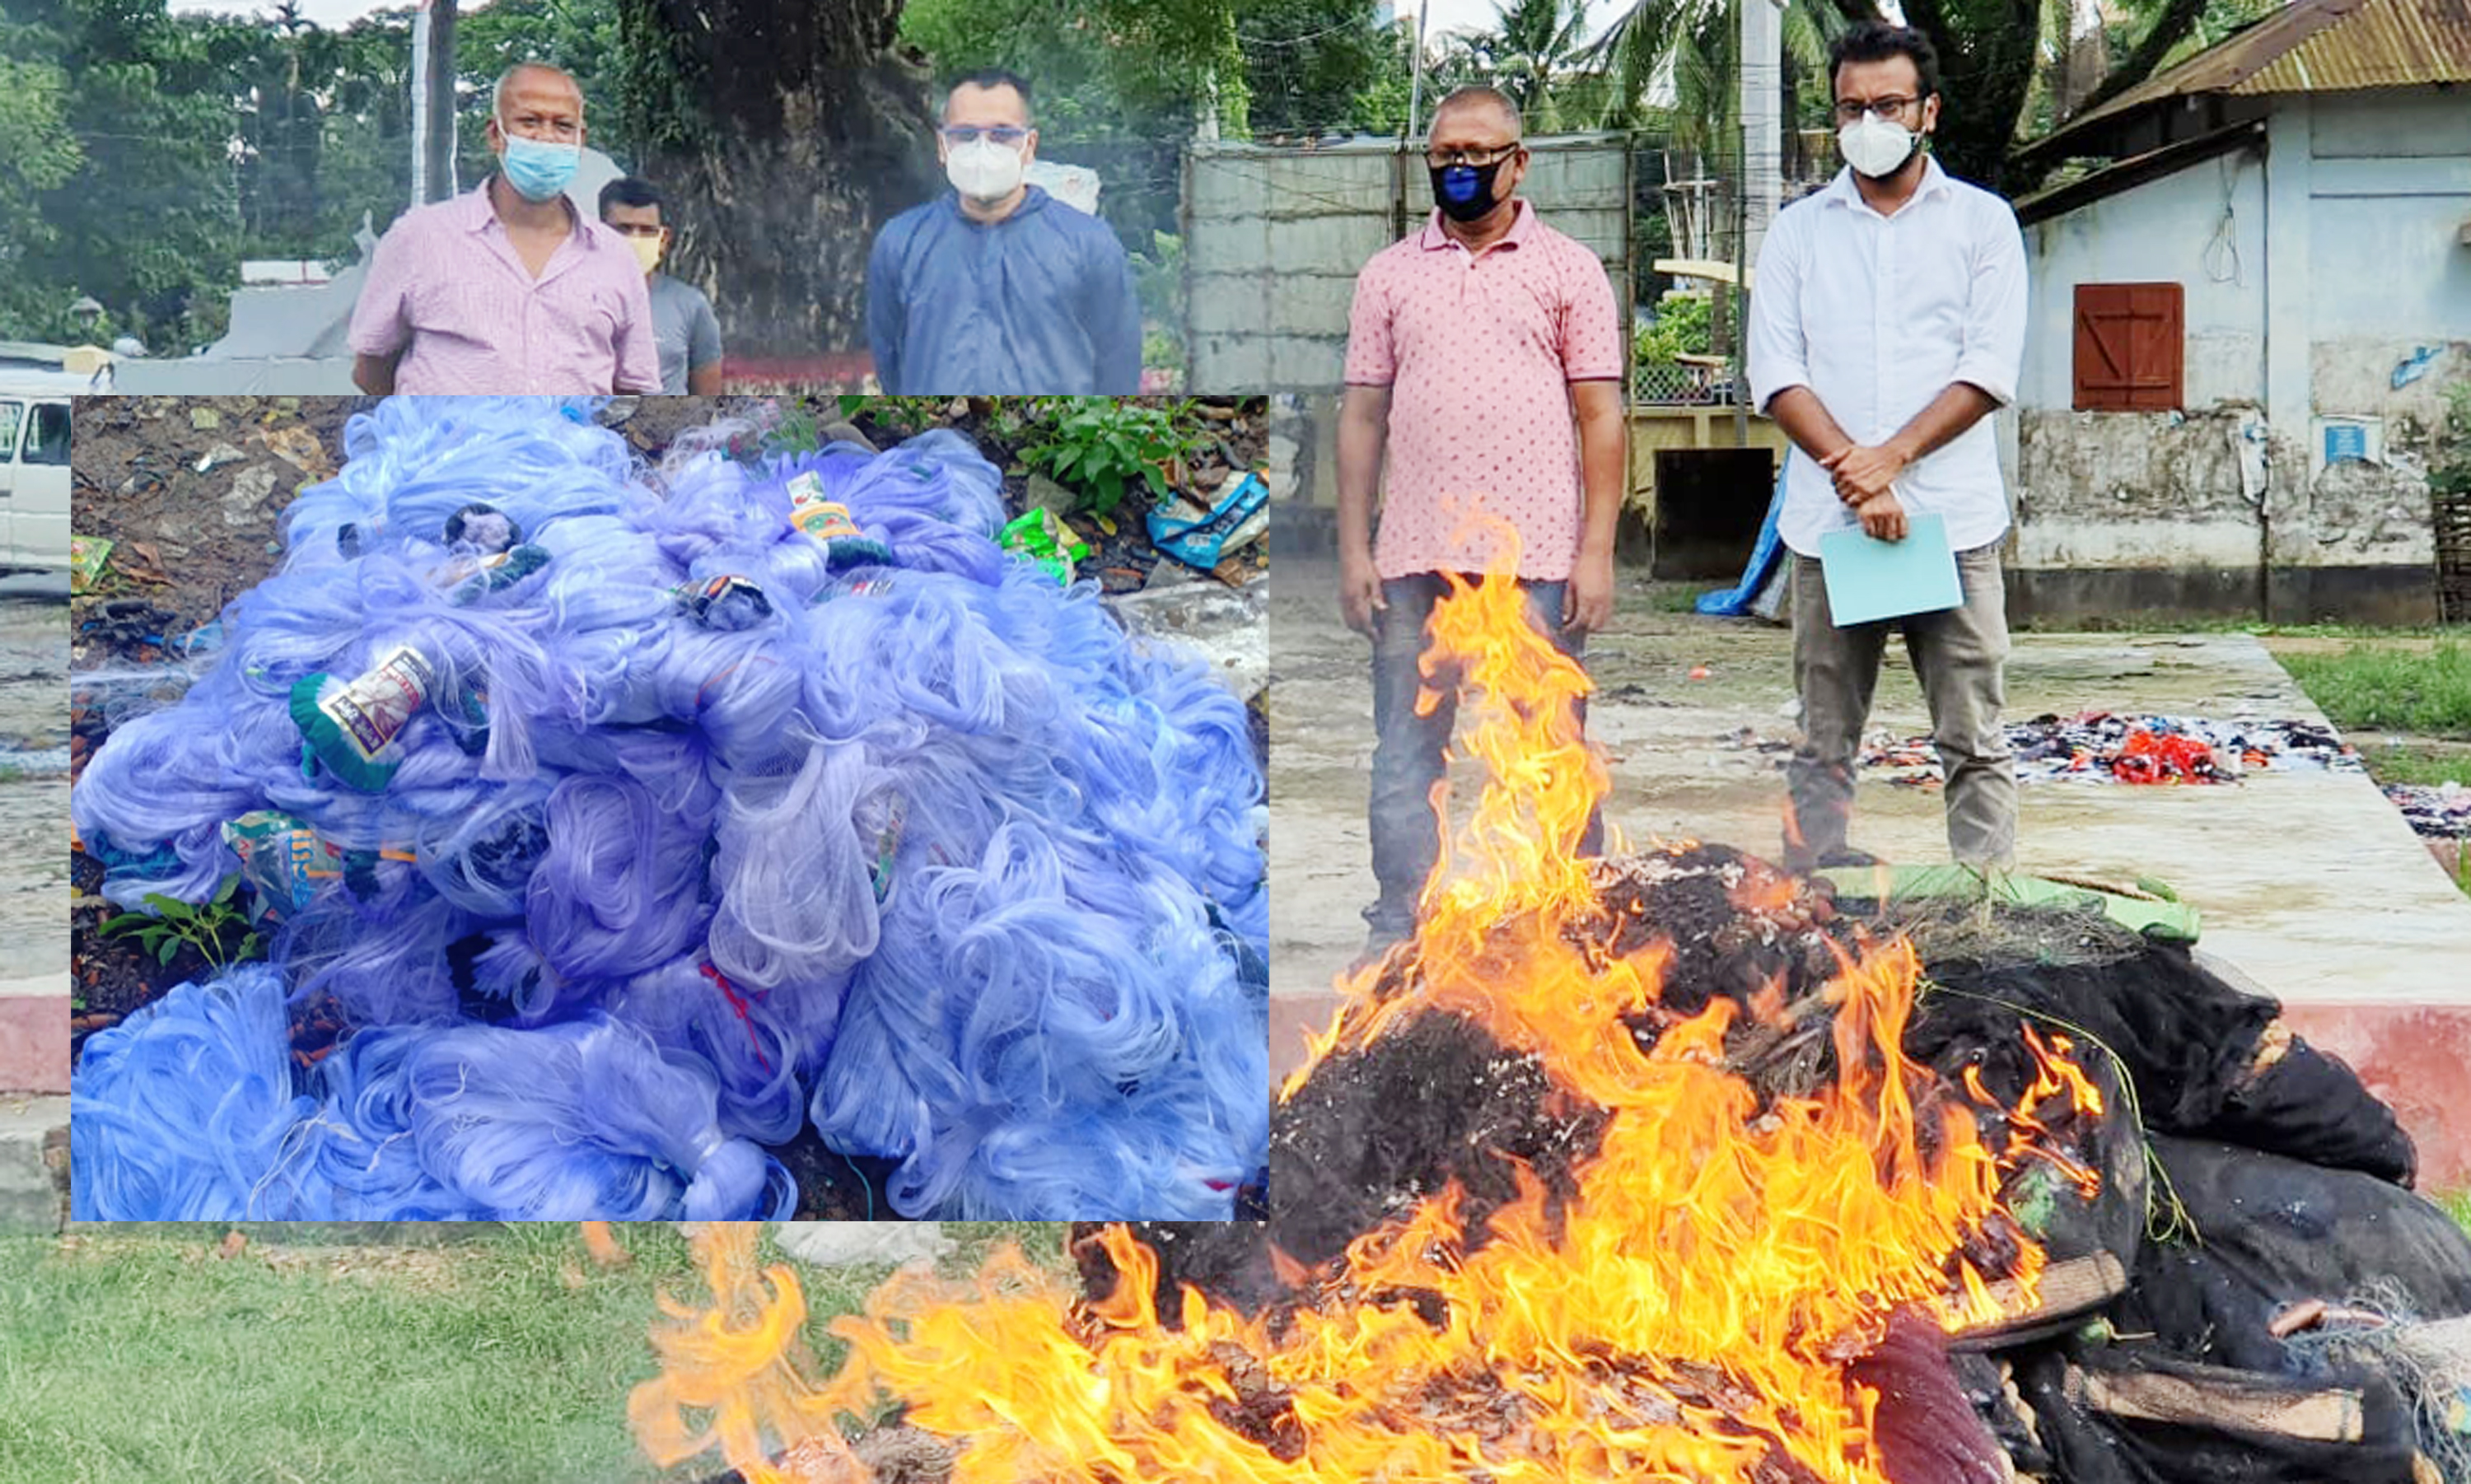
<point>1986,64</point>
<point>783,137</point>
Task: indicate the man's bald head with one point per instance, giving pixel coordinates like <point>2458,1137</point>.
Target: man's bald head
<point>1476,98</point>
<point>527,79</point>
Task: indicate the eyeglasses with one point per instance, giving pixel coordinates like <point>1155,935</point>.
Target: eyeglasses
<point>970,133</point>
<point>1884,109</point>
<point>1442,159</point>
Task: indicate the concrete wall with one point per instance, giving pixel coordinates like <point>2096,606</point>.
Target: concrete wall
<point>1274,237</point>
<point>233,376</point>
<point>2314,270</point>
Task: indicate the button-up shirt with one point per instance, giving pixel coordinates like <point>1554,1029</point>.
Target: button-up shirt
<point>1479,351</point>
<point>447,288</point>
<point>1878,315</point>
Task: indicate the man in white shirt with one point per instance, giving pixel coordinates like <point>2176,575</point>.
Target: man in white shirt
<point>1887,322</point>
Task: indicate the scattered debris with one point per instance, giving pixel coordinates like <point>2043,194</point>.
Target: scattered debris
<point>2438,812</point>
<point>2106,746</point>
<point>87,556</point>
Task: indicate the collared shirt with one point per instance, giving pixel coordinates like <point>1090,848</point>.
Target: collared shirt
<point>1878,315</point>
<point>1479,351</point>
<point>1038,304</point>
<point>447,288</point>
<point>684,328</point>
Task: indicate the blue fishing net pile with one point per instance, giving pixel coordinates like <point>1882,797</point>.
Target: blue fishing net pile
<point>704,827</point>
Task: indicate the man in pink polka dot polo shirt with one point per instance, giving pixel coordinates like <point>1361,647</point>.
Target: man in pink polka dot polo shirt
<point>1483,366</point>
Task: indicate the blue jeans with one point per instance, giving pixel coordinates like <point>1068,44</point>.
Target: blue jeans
<point>1408,750</point>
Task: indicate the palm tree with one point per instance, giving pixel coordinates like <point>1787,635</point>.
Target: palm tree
<point>1676,63</point>
<point>1678,56</point>
<point>1532,53</point>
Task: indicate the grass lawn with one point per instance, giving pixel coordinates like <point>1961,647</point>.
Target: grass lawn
<point>137,1357</point>
<point>2388,687</point>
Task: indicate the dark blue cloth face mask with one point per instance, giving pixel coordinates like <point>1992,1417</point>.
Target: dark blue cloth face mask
<point>1464,192</point>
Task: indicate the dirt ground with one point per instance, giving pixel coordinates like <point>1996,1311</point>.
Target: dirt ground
<point>191,490</point>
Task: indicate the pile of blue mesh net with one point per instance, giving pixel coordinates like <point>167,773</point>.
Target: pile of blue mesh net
<point>634,818</point>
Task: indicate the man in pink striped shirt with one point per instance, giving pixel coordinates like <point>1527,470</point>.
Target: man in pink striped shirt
<point>1484,365</point>
<point>508,288</point>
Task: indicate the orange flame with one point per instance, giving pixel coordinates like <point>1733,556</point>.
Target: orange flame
<point>1686,1316</point>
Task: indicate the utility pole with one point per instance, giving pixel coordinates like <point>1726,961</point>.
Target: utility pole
<point>1416,72</point>
<point>1763,106</point>
<point>1759,183</point>
<point>432,101</point>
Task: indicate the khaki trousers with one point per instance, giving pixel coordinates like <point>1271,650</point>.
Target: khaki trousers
<point>1960,654</point>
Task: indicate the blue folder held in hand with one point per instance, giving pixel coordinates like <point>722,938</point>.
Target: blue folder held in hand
<point>1869,580</point>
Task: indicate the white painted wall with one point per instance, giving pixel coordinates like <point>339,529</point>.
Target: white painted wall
<point>2311,272</point>
<point>2204,228</point>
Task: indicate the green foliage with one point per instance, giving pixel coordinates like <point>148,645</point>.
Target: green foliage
<point>203,926</point>
<point>797,431</point>
<point>1158,278</point>
<point>1307,62</point>
<point>2450,473</point>
<point>1680,329</point>
<point>1108,70</point>
<point>1097,446</point>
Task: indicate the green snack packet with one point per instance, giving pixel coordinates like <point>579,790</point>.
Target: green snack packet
<point>1039,536</point>
<point>87,556</point>
<point>345,725</point>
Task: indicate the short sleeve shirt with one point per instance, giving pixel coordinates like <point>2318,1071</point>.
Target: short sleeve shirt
<point>1479,351</point>
<point>687,330</point>
<point>447,289</point>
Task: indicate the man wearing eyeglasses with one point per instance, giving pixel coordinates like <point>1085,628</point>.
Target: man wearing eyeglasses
<point>508,288</point>
<point>998,287</point>
<point>1484,364</point>
<point>1885,322</point>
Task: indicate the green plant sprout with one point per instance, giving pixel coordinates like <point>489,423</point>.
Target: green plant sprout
<point>202,927</point>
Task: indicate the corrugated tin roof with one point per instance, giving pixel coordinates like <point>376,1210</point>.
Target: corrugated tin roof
<point>2317,46</point>
<point>2381,43</point>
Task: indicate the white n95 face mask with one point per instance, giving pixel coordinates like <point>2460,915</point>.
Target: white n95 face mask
<point>984,170</point>
<point>1874,146</point>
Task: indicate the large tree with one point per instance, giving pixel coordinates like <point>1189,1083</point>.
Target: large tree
<point>786,135</point>
<point>1307,62</point>
<point>149,219</point>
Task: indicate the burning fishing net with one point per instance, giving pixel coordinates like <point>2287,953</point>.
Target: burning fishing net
<point>1668,1276</point>
<point>1664,1166</point>
<point>633,821</point>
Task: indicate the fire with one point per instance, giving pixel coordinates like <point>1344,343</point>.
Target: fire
<point>1687,1316</point>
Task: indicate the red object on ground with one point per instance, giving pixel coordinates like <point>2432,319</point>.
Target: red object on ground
<point>2149,757</point>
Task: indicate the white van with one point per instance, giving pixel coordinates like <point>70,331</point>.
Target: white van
<point>33,476</point>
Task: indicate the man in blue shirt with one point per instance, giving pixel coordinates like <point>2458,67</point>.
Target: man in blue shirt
<point>996,287</point>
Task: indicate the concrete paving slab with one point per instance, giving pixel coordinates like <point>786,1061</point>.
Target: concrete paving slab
<point>30,1195</point>
<point>34,841</point>
<point>2309,882</point>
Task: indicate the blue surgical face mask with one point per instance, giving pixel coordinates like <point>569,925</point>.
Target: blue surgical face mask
<point>537,168</point>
